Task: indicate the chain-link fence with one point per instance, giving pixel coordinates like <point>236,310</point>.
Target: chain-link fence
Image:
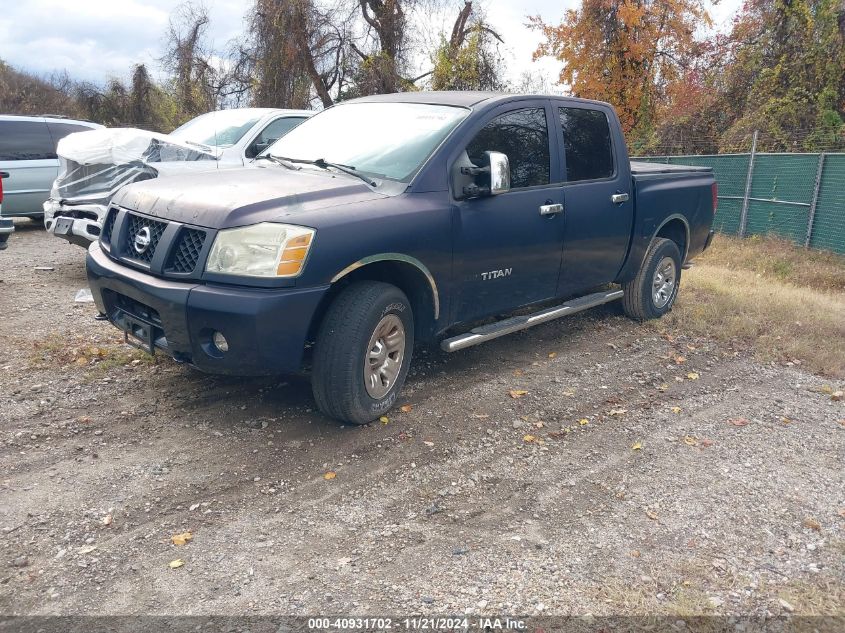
<point>799,196</point>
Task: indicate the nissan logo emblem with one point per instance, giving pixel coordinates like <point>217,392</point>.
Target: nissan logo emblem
<point>142,240</point>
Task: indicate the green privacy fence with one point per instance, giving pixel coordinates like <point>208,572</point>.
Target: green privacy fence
<point>797,196</point>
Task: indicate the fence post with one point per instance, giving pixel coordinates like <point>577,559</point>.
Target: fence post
<point>814,201</point>
<point>743,218</point>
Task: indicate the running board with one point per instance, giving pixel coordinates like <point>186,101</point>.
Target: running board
<point>514,324</point>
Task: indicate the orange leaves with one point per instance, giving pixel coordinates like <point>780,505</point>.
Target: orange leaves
<point>623,51</point>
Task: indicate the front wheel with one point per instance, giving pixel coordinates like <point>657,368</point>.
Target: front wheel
<point>363,352</point>
<point>652,292</point>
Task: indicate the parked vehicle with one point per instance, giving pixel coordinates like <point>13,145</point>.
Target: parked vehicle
<point>395,219</point>
<point>7,227</point>
<point>96,164</point>
<point>28,155</point>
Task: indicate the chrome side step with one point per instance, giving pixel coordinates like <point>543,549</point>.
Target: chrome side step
<point>514,324</point>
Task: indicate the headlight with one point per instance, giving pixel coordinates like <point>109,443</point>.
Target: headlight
<point>262,250</point>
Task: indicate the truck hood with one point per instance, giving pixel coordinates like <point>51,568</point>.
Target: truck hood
<point>242,196</point>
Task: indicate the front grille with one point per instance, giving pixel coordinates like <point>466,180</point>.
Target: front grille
<point>108,225</point>
<point>188,248</point>
<point>136,225</point>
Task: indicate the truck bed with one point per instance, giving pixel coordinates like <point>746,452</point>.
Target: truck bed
<point>643,168</point>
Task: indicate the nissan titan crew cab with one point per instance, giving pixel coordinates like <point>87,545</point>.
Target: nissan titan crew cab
<point>392,220</point>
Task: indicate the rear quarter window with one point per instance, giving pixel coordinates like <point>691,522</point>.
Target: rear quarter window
<point>25,140</point>
<point>587,144</point>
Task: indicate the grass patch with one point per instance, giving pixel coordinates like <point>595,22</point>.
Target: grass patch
<point>778,259</point>
<point>783,301</point>
<point>66,351</point>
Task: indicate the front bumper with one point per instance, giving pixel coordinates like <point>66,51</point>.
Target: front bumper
<point>266,329</point>
<point>79,224</point>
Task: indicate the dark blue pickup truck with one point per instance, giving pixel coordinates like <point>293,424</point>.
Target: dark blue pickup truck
<point>396,219</point>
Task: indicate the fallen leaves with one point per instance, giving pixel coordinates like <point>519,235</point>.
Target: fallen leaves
<point>406,408</point>
<point>583,421</point>
<point>528,438</point>
<point>618,412</point>
<point>738,422</point>
<point>181,539</point>
<point>690,440</point>
<point>651,515</point>
<point>517,393</point>
<point>384,419</point>
<point>836,396</point>
<point>812,524</point>
<point>676,409</point>
<point>680,360</point>
<point>330,475</point>
<point>637,446</point>
<point>692,375</point>
<point>552,354</point>
<point>176,564</point>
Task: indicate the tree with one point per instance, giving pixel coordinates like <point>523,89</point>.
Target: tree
<point>469,60</point>
<point>782,72</point>
<point>625,52</point>
<point>196,83</point>
<point>23,93</point>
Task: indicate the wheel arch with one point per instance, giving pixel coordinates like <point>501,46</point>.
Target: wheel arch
<point>675,228</point>
<point>403,271</point>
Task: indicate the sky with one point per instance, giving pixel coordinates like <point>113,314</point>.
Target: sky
<point>97,39</point>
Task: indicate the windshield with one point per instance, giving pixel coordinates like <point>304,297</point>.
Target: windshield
<point>221,129</point>
<point>386,140</point>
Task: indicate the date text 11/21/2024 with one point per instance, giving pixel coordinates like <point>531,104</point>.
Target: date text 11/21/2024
<point>420,623</point>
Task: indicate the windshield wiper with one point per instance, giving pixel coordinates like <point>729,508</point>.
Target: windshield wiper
<point>322,163</point>
<point>284,162</point>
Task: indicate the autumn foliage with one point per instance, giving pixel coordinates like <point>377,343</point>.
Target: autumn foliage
<point>625,51</point>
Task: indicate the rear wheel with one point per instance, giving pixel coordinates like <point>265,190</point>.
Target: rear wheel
<point>652,293</point>
<point>363,352</point>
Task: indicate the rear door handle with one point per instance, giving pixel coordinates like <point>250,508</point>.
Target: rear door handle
<point>619,198</point>
<point>551,209</point>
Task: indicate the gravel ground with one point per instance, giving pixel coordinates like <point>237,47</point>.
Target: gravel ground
<point>640,472</point>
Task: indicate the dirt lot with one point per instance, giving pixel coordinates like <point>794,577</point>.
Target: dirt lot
<point>643,471</point>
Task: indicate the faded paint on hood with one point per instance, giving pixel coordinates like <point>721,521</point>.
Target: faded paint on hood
<point>243,196</point>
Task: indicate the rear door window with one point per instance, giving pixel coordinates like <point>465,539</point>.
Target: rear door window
<point>524,136</point>
<point>60,130</point>
<point>25,140</point>
<point>587,144</point>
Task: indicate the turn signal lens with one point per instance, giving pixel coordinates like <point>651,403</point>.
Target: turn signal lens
<point>293,257</point>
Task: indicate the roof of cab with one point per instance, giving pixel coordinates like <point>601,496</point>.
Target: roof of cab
<point>463,98</point>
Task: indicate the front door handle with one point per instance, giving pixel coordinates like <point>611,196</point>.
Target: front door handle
<point>551,209</point>
<point>619,198</point>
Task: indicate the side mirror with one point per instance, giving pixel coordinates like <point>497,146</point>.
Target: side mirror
<point>492,179</point>
<point>500,173</point>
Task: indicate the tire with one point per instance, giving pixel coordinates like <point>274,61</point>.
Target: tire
<point>360,359</point>
<point>643,298</point>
